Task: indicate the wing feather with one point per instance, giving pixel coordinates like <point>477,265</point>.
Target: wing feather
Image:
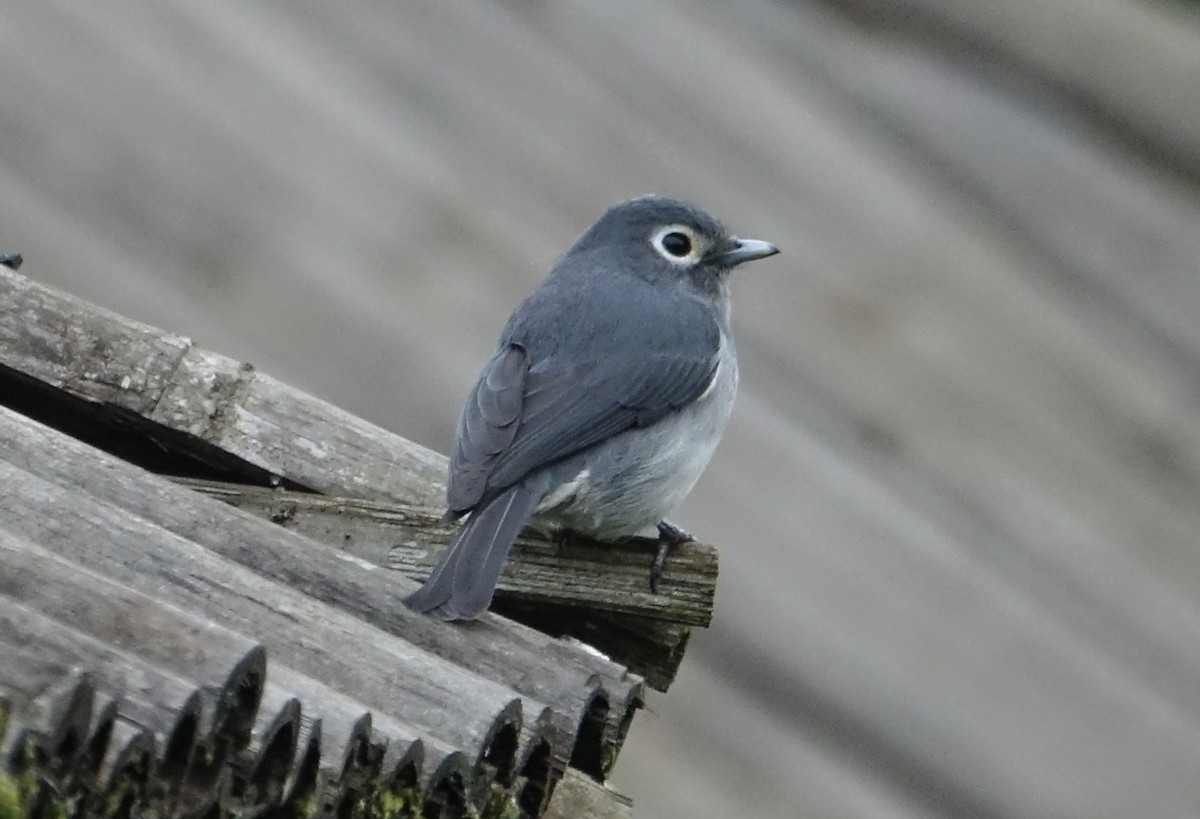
<point>487,427</point>
<point>547,395</point>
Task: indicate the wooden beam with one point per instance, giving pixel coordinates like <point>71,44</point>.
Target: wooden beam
<point>213,401</point>
<point>604,577</point>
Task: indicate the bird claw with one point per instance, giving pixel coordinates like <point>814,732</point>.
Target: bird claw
<point>668,535</point>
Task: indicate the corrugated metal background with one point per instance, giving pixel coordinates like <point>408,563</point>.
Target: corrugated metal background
<point>958,499</point>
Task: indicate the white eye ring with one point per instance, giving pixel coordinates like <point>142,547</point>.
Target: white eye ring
<point>678,244</point>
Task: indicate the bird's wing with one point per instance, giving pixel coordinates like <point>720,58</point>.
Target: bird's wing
<point>488,425</point>
<point>528,411</point>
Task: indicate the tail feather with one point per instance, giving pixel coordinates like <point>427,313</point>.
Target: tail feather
<point>436,589</point>
<point>463,581</point>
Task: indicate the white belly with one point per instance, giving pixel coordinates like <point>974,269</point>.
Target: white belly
<point>638,477</point>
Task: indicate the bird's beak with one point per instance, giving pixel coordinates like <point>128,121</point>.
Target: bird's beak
<point>745,250</point>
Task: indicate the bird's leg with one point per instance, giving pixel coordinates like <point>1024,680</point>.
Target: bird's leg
<point>668,535</point>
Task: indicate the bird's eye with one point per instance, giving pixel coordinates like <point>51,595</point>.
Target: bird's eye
<point>677,244</point>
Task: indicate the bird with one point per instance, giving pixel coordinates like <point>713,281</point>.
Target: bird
<point>604,401</point>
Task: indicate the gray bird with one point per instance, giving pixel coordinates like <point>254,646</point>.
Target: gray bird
<point>604,401</point>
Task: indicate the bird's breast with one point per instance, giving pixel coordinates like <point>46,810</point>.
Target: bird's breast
<point>636,478</point>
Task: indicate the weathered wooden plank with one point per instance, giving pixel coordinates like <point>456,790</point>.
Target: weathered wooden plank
<point>157,702</point>
<point>85,350</point>
<point>538,768</point>
<point>301,783</point>
<point>261,769</point>
<point>356,745</point>
<point>540,667</point>
<point>458,706</point>
<point>49,709</point>
<point>579,796</point>
<point>653,648</point>
<point>349,755</point>
<point>124,770</point>
<point>349,764</point>
<point>447,791</point>
<point>123,626</point>
<point>610,577</point>
<point>294,435</point>
<point>104,717</point>
<point>190,684</point>
<point>91,353</point>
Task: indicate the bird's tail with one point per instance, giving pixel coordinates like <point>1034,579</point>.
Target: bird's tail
<point>463,581</point>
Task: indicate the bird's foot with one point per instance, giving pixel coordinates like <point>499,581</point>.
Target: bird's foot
<point>668,535</point>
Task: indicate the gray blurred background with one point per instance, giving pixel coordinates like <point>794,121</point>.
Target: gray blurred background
<point>958,499</point>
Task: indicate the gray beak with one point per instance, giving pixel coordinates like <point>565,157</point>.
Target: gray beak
<point>745,250</point>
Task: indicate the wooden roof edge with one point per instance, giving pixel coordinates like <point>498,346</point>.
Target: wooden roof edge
<point>41,507</point>
<point>67,745</point>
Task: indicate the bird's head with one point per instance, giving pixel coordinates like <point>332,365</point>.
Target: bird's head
<point>664,240</point>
